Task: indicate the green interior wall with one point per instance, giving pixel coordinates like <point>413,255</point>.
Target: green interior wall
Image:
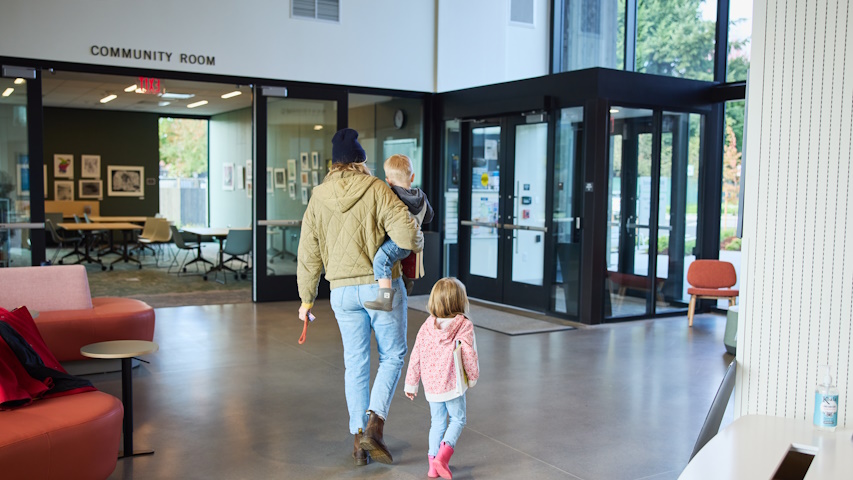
<point>120,138</point>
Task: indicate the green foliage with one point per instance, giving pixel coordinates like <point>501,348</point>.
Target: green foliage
<point>183,146</point>
<point>673,40</point>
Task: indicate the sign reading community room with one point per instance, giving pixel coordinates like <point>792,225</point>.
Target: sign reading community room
<point>153,55</point>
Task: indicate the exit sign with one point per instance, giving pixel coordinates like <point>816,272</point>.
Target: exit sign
<point>149,85</point>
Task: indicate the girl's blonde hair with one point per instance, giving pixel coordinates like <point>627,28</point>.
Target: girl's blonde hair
<point>360,167</point>
<point>448,298</point>
<point>399,168</point>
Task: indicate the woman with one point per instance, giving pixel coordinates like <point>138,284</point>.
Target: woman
<point>346,222</point>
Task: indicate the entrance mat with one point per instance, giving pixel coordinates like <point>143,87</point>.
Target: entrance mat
<point>497,319</point>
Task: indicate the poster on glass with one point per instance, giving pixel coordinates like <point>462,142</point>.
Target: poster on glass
<point>125,181</point>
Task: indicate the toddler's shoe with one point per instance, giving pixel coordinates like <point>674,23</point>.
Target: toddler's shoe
<point>445,451</point>
<point>431,473</point>
<point>384,300</point>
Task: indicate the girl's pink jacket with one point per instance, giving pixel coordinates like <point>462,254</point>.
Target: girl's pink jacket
<point>431,360</point>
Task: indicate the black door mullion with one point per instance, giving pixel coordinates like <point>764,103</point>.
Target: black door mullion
<point>657,121</point>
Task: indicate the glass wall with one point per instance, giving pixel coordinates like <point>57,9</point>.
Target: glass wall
<point>592,34</point>
<point>740,31</point>
<point>567,206</point>
<point>386,126</point>
<point>184,170</point>
<point>15,249</point>
<point>732,155</point>
<point>299,153</point>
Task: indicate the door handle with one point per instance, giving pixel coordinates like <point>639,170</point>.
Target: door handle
<point>510,226</point>
<point>469,223</point>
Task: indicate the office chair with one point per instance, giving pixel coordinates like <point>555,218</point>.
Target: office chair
<point>61,241</point>
<point>187,247</point>
<point>237,244</point>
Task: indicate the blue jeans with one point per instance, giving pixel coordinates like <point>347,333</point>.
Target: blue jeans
<point>387,255</point>
<point>356,323</point>
<point>439,430</point>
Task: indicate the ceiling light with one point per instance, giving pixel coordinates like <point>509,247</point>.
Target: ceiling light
<point>109,98</point>
<point>318,127</point>
<point>613,110</point>
<point>163,104</point>
<point>8,91</point>
<point>131,88</point>
<point>197,104</point>
<point>19,81</point>
<point>232,94</point>
<point>177,96</point>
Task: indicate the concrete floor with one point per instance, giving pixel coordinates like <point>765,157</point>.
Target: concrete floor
<point>231,395</point>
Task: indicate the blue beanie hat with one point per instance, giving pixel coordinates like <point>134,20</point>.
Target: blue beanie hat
<point>345,147</point>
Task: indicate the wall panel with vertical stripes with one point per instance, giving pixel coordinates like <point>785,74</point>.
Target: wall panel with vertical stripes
<point>797,296</point>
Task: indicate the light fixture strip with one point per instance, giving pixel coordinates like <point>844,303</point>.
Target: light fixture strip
<point>109,98</point>
<point>19,81</point>
<point>131,88</point>
<point>197,104</point>
<point>232,94</point>
<point>8,91</point>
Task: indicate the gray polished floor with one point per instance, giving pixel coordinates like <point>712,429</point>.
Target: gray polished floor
<point>231,395</point>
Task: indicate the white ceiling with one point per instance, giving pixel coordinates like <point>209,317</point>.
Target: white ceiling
<point>85,90</point>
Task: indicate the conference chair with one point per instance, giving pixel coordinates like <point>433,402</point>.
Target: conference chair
<point>184,246</point>
<point>710,279</point>
<point>238,243</point>
<point>161,234</point>
<point>63,241</point>
<point>717,410</point>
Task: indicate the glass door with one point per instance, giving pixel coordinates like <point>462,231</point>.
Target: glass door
<point>21,239</point>
<point>293,155</point>
<point>503,238</point>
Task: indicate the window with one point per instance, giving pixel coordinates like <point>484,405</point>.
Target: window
<point>740,29</point>
<point>184,171</point>
<point>316,9</point>
<point>732,154</point>
<point>589,33</point>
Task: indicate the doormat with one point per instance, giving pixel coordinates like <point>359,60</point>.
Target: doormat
<point>498,320</point>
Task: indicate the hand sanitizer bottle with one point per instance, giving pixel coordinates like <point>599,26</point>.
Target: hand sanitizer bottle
<point>826,401</point>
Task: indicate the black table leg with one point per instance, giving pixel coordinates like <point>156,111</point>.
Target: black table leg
<point>127,401</point>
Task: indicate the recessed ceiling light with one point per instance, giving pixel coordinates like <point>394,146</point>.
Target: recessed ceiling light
<point>318,127</point>
<point>197,104</point>
<point>19,81</point>
<point>163,104</point>
<point>613,110</point>
<point>232,94</point>
<point>131,88</point>
<point>177,96</point>
<point>109,98</point>
<point>8,91</point>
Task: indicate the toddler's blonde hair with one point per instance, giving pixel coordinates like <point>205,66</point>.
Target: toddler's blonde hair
<point>448,298</point>
<point>399,169</point>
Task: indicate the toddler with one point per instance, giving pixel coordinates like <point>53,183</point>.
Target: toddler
<point>432,362</point>
<point>398,174</point>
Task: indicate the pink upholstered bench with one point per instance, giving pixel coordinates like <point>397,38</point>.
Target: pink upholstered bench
<point>69,317</point>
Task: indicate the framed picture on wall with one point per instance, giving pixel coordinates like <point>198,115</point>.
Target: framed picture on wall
<point>90,166</point>
<point>270,180</point>
<point>248,170</point>
<point>304,178</point>
<point>228,176</point>
<point>304,195</point>
<point>303,160</point>
<point>63,190</point>
<point>90,189</point>
<point>249,189</point>
<point>291,189</point>
<point>315,160</point>
<point>291,169</point>
<point>23,180</point>
<point>63,166</point>
<point>241,177</point>
<point>280,180</point>
<point>125,181</point>
<point>315,177</point>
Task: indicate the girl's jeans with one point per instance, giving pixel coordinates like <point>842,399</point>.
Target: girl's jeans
<point>440,430</point>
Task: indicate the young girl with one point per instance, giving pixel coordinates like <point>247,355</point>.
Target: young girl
<point>432,362</point>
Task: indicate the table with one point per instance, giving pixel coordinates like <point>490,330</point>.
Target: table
<point>89,229</point>
<point>217,233</point>
<point>753,447</point>
<point>125,350</point>
<point>121,219</point>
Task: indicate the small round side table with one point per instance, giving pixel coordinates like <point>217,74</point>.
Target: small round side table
<point>125,350</point>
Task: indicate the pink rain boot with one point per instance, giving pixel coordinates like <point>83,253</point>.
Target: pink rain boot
<point>441,460</point>
<point>431,473</point>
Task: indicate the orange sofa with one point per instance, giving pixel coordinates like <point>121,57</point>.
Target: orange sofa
<point>68,317</point>
<point>71,437</point>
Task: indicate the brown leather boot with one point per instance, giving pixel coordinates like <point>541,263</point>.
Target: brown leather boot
<point>372,439</point>
<point>359,454</point>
